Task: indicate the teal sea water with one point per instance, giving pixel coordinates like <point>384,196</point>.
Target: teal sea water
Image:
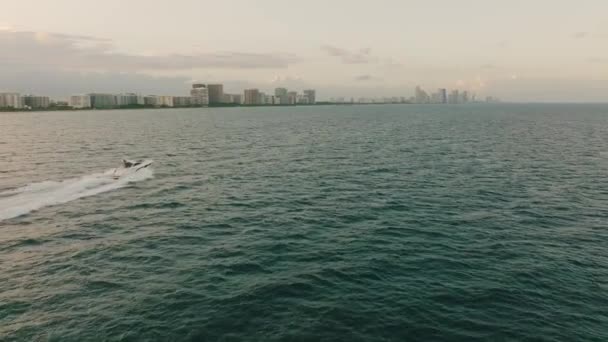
<point>351,223</point>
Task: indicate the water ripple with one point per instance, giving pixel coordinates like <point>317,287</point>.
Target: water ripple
<point>363,223</point>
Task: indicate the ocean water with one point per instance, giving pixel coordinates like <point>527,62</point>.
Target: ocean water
<point>333,223</point>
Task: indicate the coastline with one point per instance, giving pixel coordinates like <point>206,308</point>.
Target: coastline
<point>67,108</point>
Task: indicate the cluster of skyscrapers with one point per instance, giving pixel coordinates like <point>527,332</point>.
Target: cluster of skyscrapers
<point>282,96</point>
<point>16,101</point>
<point>213,94</point>
<point>201,95</point>
<point>442,96</point>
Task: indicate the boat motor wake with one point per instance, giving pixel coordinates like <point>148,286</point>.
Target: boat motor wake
<point>35,196</point>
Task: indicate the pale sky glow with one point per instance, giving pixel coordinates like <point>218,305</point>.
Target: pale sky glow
<point>532,50</point>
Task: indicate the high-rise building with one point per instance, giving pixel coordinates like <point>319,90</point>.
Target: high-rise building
<point>251,97</point>
<point>121,100</point>
<point>181,101</point>
<point>443,95</point>
<point>233,98</point>
<point>36,101</point>
<point>80,101</point>
<point>454,97</point>
<point>271,100</point>
<point>292,98</point>
<point>281,93</point>
<point>11,100</point>
<point>311,94</point>
<point>216,93</point>
<point>102,100</point>
<point>199,95</point>
<point>421,96</point>
<point>464,97</point>
<point>128,99</point>
<point>150,100</point>
<point>164,101</point>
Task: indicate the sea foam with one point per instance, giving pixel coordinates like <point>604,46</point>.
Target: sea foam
<point>32,197</point>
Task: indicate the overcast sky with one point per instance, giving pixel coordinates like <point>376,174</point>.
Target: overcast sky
<point>519,50</point>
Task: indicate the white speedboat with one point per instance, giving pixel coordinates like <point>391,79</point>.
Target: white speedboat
<point>130,167</point>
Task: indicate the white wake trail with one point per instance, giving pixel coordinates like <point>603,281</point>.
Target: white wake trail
<point>24,200</point>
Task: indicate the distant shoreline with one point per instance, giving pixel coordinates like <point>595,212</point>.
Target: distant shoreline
<point>70,109</point>
<point>67,108</point>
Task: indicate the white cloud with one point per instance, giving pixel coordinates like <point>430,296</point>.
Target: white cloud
<point>366,78</point>
<point>75,52</point>
<point>361,56</point>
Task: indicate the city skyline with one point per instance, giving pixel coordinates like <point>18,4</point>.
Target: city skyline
<point>557,52</point>
<point>200,95</point>
<point>213,95</point>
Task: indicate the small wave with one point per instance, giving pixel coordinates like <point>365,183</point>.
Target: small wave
<point>35,196</point>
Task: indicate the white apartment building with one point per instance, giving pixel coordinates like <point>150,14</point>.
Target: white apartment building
<point>164,101</point>
<point>292,98</point>
<point>311,94</point>
<point>80,101</point>
<point>233,98</point>
<point>281,93</point>
<point>200,95</point>
<point>121,100</point>
<point>181,101</point>
<point>251,97</point>
<point>150,100</point>
<point>99,100</point>
<point>129,99</point>
<point>11,100</point>
<point>36,102</point>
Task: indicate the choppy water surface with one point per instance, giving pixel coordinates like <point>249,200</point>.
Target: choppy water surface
<point>345,223</point>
